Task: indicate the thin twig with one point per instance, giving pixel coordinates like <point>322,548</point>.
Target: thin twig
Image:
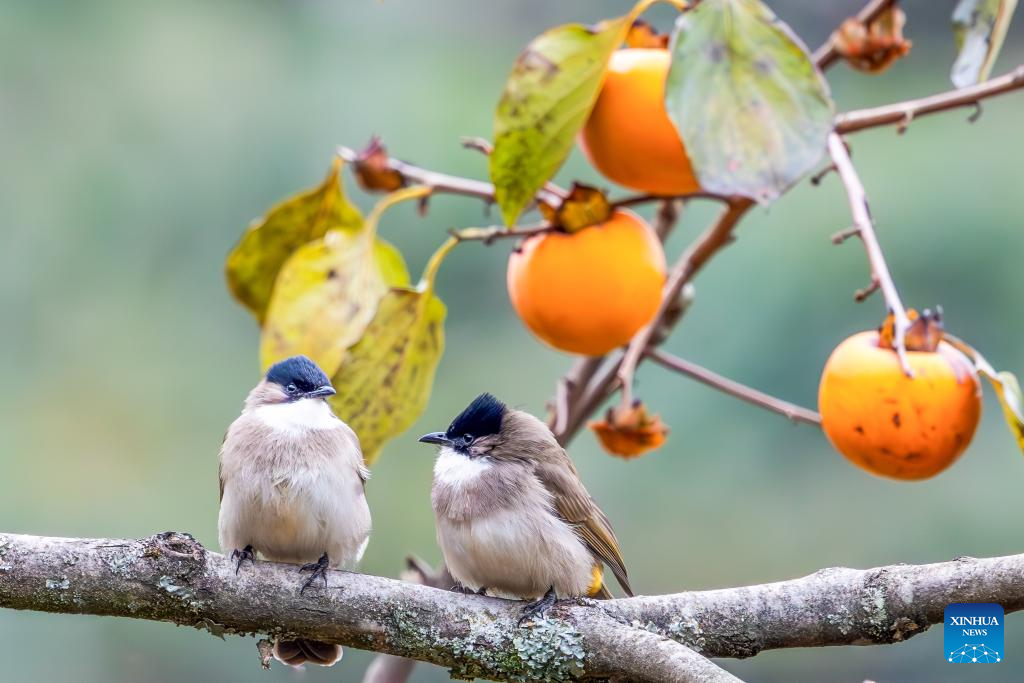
<point>902,112</point>
<point>667,217</point>
<point>876,258</point>
<point>648,198</point>
<point>790,410</point>
<point>497,232</point>
<point>481,145</point>
<point>442,182</point>
<point>826,55</point>
<point>862,294</point>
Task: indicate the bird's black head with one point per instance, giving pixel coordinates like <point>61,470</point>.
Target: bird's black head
<point>481,418</point>
<point>300,377</point>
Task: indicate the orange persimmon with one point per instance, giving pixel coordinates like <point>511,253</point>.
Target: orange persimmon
<point>589,291</point>
<point>629,137</point>
<point>893,425</point>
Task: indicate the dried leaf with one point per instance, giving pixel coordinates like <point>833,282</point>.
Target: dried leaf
<point>547,99</point>
<point>585,206</point>
<point>751,107</point>
<point>385,380</point>
<point>873,48</point>
<point>1006,386</point>
<point>253,265</point>
<point>979,28</point>
<point>373,171</point>
<point>631,432</point>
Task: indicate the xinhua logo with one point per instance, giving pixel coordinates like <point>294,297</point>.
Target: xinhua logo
<point>973,633</point>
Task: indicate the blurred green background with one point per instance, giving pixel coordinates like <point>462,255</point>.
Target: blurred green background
<point>139,138</point>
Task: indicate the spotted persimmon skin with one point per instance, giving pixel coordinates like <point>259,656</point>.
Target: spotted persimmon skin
<point>892,425</point>
<point>629,137</point>
<point>590,291</point>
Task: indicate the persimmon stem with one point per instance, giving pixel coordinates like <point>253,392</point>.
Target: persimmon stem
<point>724,384</point>
<point>866,231</point>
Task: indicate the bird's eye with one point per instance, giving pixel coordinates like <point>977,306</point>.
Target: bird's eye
<point>467,439</point>
<point>291,388</point>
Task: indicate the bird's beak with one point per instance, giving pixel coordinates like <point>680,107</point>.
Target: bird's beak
<point>435,437</point>
<point>322,392</point>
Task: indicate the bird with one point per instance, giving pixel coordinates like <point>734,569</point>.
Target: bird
<point>292,480</point>
<point>513,518</point>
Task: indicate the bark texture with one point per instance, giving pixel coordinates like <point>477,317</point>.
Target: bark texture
<point>171,577</point>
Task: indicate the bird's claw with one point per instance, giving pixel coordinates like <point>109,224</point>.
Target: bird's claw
<point>319,571</point>
<point>466,590</point>
<point>240,556</point>
<point>537,608</point>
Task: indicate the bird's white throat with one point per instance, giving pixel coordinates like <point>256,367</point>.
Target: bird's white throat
<point>456,469</point>
<point>298,416</point>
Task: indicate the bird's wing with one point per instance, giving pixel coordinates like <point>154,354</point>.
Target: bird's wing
<point>220,467</point>
<point>351,439</point>
<point>575,506</point>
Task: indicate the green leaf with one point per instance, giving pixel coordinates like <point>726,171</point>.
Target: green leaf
<point>386,378</point>
<point>547,98</point>
<point>252,266</point>
<point>327,292</point>
<point>979,27</point>
<point>751,107</point>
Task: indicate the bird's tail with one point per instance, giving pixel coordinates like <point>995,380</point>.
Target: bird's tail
<point>296,652</point>
<point>598,590</point>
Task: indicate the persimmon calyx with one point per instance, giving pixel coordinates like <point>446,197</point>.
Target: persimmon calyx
<point>641,34</point>
<point>924,334</point>
<point>583,207</point>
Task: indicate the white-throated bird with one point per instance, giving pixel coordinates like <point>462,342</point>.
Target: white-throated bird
<point>291,486</point>
<point>513,518</point>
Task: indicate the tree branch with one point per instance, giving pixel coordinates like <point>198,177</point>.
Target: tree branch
<point>901,113</point>
<point>724,384</point>
<point>170,577</point>
<point>865,228</point>
<point>689,263</point>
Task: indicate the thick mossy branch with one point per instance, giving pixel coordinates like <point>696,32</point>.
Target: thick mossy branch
<point>171,577</point>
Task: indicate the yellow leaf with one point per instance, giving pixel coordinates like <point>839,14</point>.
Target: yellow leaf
<point>327,292</point>
<point>385,380</point>
<point>252,266</point>
<point>1005,384</point>
<point>326,295</point>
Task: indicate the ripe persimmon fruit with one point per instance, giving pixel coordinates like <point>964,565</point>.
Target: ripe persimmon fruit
<point>589,291</point>
<point>893,425</point>
<point>629,137</point>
